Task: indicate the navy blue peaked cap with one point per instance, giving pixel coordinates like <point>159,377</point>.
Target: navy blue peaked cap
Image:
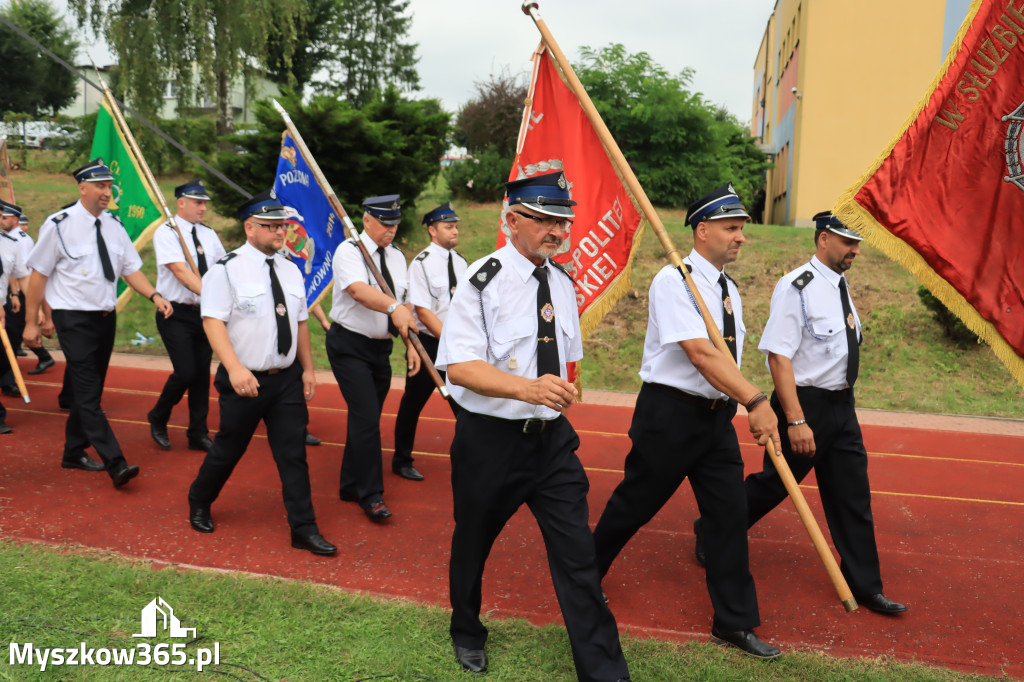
<point>547,194</point>
<point>264,205</point>
<point>721,202</point>
<point>94,171</point>
<point>442,214</point>
<point>387,208</point>
<point>826,221</point>
<point>193,189</point>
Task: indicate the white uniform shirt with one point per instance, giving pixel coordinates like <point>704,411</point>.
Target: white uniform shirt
<point>428,280</point>
<point>808,327</point>
<point>673,317</point>
<point>349,268</point>
<point>237,292</point>
<point>168,250</point>
<point>24,241</point>
<point>509,304</point>
<point>67,253</point>
<point>14,264</point>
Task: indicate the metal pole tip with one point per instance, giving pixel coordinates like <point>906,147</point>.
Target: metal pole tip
<point>528,5</point>
<point>850,604</point>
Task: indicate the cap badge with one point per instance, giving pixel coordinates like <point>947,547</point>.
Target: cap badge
<point>273,194</point>
<point>561,181</point>
<point>731,190</point>
<point>394,205</point>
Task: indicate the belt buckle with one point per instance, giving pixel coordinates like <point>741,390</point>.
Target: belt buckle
<point>717,404</point>
<point>531,426</point>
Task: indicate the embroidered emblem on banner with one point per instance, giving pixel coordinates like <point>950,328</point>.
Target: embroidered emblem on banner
<point>547,312</point>
<point>727,303</point>
<point>1014,164</point>
<point>281,310</point>
<point>850,322</point>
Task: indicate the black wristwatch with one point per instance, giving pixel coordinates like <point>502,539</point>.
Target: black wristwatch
<point>154,295</point>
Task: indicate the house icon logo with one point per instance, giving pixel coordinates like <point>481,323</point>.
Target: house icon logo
<point>158,615</point>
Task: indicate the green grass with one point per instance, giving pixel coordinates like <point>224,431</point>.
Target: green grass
<point>906,362</point>
<point>59,598</point>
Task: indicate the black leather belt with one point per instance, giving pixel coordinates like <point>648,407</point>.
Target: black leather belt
<point>190,306</point>
<point>840,396</point>
<point>269,372</point>
<point>689,398</point>
<point>527,426</point>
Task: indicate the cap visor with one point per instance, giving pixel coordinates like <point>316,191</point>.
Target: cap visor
<point>844,232</point>
<point>196,196</point>
<point>734,213</point>
<point>551,209</point>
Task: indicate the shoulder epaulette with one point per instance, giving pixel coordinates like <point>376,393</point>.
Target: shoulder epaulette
<point>486,273</point>
<point>559,267</point>
<point>226,257</point>
<point>115,217</point>
<point>423,255</point>
<point>459,255</point>
<point>803,280</point>
<point>59,218</point>
<point>729,278</point>
<point>69,205</point>
<point>398,247</point>
<point>7,236</point>
<point>689,268</point>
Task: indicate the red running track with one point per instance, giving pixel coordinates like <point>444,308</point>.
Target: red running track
<point>949,515</point>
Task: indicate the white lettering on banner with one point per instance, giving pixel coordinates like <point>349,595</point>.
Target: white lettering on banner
<point>319,277</point>
<point>600,274</point>
<point>534,119</point>
<point>294,176</point>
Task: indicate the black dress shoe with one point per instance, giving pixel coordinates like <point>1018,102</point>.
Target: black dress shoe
<point>879,603</point>
<point>159,434</point>
<point>408,472</point>
<point>698,550</point>
<point>42,366</point>
<point>83,462</point>
<point>314,543</point>
<point>199,517</point>
<point>201,444</point>
<point>746,641</point>
<point>311,439</point>
<point>123,474</point>
<point>377,511</point>
<point>472,660</point>
<point>21,353</point>
<point>11,390</point>
<point>4,428</point>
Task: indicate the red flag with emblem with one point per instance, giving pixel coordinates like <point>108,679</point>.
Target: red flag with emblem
<point>556,135</point>
<point>946,200</point>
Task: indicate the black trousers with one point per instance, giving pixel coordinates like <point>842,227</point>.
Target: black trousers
<point>362,368</point>
<point>87,339</point>
<point>496,469</point>
<point>418,389</point>
<point>190,355</point>
<point>840,463</point>
<point>674,440</point>
<point>282,407</point>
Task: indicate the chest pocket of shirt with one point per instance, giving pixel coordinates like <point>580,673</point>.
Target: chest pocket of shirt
<point>253,299</point>
<point>567,327</point>
<point>438,286</point>
<point>831,333</point>
<point>297,293</point>
<point>513,336</point>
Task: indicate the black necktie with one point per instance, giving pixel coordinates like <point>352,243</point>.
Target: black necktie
<point>200,254</point>
<point>853,345</point>
<point>284,330</point>
<point>728,321</point>
<point>547,347</point>
<point>386,274</point>
<point>452,280</point>
<point>108,269</point>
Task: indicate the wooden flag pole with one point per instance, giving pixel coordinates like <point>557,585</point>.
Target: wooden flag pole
<point>530,8</point>
<point>13,360</point>
<point>350,229</point>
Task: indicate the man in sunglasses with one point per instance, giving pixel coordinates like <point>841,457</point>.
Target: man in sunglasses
<point>254,313</point>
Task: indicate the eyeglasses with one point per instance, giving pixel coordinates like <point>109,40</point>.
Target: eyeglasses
<point>272,227</point>
<point>547,221</point>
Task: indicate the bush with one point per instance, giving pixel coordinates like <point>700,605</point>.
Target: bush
<point>481,178</point>
<point>954,327</point>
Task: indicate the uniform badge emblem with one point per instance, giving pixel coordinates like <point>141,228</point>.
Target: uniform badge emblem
<point>273,194</point>
<point>850,322</point>
<point>451,291</point>
<point>547,312</point>
<point>394,205</point>
<point>200,251</point>
<point>561,181</point>
<point>281,310</point>
<point>727,303</point>
<point>482,277</point>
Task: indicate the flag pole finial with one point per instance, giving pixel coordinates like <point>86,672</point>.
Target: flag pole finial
<point>529,5</point>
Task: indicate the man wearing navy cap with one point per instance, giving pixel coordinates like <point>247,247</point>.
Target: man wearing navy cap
<point>359,346</point>
<point>682,425</point>
<point>81,252</point>
<point>14,226</point>
<point>812,341</point>
<point>511,328</point>
<point>432,279</point>
<point>254,313</point>
<point>183,333</point>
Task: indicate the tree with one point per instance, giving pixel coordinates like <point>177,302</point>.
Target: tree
<point>33,82</point>
<point>199,45</point>
<point>679,146</point>
<point>349,48</point>
<point>389,146</point>
<point>492,118</point>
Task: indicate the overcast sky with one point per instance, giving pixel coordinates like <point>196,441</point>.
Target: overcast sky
<point>463,41</point>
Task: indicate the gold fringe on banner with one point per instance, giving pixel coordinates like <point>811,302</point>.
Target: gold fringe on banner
<point>856,216</point>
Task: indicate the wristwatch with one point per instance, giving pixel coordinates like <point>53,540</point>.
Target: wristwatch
<point>392,307</point>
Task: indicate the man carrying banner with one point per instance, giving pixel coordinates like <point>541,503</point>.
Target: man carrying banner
<point>682,425</point>
<point>16,321</point>
<point>183,333</point>
<point>432,278</point>
<point>505,344</point>
<point>359,346</point>
<point>254,314</point>
<point>80,254</point>
<point>812,341</point>
<point>12,274</point>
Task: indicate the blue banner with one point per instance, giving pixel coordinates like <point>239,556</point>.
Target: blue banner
<point>314,231</point>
